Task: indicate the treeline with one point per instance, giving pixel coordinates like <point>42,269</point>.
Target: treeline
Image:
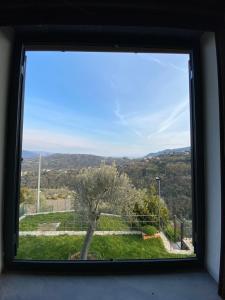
<point>174,171</point>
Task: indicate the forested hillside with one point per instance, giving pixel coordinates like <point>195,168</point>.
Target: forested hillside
<point>60,161</point>
<point>60,170</point>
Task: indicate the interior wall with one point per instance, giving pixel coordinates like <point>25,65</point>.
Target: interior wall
<point>6,40</point>
<point>212,154</point>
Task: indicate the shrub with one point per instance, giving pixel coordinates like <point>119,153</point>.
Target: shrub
<point>27,195</point>
<point>148,229</point>
<point>150,206</point>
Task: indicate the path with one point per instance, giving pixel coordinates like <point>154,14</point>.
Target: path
<point>76,233</point>
<point>170,249</point>
<point>61,211</point>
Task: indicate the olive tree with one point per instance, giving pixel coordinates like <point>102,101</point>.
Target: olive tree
<point>100,187</point>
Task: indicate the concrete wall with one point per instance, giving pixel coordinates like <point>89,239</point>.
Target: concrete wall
<point>212,154</point>
<point>6,38</point>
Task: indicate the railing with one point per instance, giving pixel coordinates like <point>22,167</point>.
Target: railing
<point>175,230</point>
<point>109,222</point>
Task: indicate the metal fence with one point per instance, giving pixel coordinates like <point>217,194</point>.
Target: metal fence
<point>111,222</point>
<point>176,229</point>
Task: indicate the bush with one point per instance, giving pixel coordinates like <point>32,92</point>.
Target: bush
<point>150,206</point>
<point>148,229</point>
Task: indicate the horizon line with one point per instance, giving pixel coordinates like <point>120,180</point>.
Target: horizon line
<point>106,156</point>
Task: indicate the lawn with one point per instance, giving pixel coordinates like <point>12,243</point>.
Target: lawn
<point>71,221</point>
<point>102,247</point>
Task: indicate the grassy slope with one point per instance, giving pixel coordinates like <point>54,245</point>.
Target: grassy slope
<point>102,247</point>
<point>70,221</point>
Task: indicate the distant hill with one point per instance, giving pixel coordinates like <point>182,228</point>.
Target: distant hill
<point>29,154</point>
<point>33,154</point>
<point>61,161</point>
<point>170,152</point>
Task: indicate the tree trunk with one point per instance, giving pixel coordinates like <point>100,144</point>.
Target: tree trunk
<point>88,239</point>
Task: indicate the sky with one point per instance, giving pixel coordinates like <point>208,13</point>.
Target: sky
<point>110,104</point>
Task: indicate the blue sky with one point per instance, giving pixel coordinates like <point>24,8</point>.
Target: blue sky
<point>111,104</point>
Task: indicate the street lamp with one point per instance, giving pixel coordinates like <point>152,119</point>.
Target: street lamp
<point>39,183</point>
<point>158,179</point>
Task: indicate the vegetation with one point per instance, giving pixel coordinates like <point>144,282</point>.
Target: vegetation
<point>58,194</point>
<point>60,171</point>
<point>118,186</point>
<point>175,173</point>
<point>71,221</point>
<point>102,247</point>
<point>150,207</point>
<point>27,195</point>
<point>59,161</point>
<point>102,186</point>
<point>172,235</point>
<point>148,229</point>
<point>112,223</point>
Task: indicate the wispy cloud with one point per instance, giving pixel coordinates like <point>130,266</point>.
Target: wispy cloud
<point>125,120</point>
<point>162,63</point>
<point>157,121</point>
<point>174,115</point>
<point>151,132</point>
<point>119,115</point>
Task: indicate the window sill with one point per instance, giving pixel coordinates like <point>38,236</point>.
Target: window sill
<point>186,286</point>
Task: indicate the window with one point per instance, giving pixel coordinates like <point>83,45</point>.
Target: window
<point>106,160</point>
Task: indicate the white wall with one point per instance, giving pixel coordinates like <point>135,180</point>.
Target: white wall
<point>212,154</point>
<point>6,38</point>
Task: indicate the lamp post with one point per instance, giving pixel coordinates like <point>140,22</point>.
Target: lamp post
<point>158,179</point>
<point>39,183</point>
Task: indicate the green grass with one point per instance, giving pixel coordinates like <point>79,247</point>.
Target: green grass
<point>71,221</point>
<point>31,223</point>
<point>102,247</point>
<point>111,223</point>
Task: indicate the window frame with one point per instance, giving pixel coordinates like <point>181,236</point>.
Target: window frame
<point>109,39</point>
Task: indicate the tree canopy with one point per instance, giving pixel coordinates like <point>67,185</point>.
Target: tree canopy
<point>99,188</point>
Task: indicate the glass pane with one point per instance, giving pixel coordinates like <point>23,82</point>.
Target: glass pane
<point>106,170</point>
